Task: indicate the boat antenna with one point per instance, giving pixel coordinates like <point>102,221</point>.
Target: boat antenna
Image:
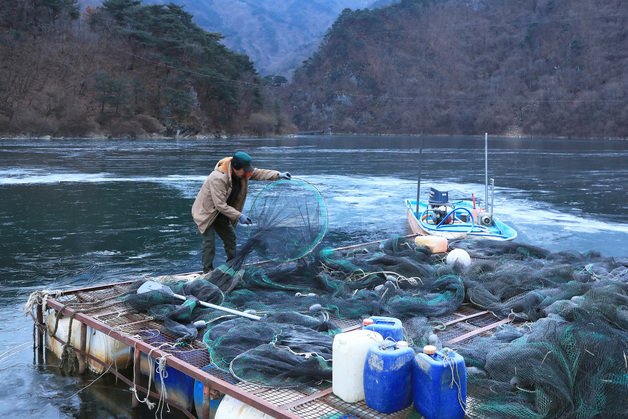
<point>485,170</point>
<point>418,184</point>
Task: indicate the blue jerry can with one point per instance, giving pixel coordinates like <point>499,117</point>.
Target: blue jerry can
<point>388,327</point>
<point>388,376</point>
<point>439,384</point>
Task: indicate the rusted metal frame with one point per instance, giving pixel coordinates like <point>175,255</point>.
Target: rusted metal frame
<point>353,246</point>
<point>83,348</point>
<point>176,363</point>
<point>137,372</point>
<point>40,334</point>
<point>127,325</point>
<point>478,331</point>
<point>95,288</point>
<point>206,402</point>
<point>258,390</point>
<point>463,318</point>
<point>350,328</point>
<point>360,409</point>
<point>306,399</point>
<point>449,323</point>
<point>127,381</point>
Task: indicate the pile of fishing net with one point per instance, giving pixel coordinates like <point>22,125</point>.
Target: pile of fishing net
<point>569,358</point>
<point>565,354</point>
<point>301,303</point>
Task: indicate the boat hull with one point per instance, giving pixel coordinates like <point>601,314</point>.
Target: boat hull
<point>456,230</point>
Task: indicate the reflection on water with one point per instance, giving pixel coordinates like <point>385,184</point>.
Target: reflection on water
<point>75,213</point>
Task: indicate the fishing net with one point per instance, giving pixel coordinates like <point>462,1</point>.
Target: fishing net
<point>570,356</point>
<point>564,354</point>
<point>289,220</point>
<point>273,353</point>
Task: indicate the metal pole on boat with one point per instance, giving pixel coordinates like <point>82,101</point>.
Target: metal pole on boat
<point>418,184</point>
<point>492,197</point>
<point>486,171</point>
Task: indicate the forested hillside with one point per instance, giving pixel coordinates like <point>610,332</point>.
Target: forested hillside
<point>123,69</point>
<point>276,34</point>
<point>529,67</point>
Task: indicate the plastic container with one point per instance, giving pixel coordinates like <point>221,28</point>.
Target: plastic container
<point>198,395</point>
<point>436,244</point>
<point>436,396</point>
<point>179,386</point>
<point>388,377</point>
<point>348,355</point>
<point>388,327</point>
<point>97,344</point>
<point>232,408</point>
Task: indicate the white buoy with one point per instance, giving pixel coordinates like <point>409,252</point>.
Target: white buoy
<point>459,256</point>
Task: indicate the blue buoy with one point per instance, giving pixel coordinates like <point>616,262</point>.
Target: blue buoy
<point>198,393</point>
<point>439,381</point>
<point>388,327</point>
<point>388,376</point>
<point>179,386</point>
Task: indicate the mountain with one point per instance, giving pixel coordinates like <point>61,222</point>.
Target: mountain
<point>276,34</point>
<point>532,67</point>
<point>124,69</point>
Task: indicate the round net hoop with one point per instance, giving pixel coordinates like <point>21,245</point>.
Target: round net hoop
<point>289,220</point>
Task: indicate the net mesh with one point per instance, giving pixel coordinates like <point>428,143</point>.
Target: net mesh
<point>565,355</point>
<point>289,220</point>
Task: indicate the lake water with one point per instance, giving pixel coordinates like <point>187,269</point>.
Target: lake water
<point>75,213</point>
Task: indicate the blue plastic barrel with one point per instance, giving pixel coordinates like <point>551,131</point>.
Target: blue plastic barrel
<point>179,386</point>
<point>198,392</point>
<point>439,381</point>
<point>388,376</point>
<point>388,327</point>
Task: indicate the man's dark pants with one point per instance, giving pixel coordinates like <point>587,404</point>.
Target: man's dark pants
<point>223,227</point>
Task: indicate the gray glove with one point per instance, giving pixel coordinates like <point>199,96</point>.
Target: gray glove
<point>245,220</point>
<point>285,175</point>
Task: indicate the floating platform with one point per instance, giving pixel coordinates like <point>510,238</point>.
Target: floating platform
<point>99,315</point>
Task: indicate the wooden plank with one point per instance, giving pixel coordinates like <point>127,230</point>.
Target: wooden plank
<point>478,331</point>
<point>463,318</point>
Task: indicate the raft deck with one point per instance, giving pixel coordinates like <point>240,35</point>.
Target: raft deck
<point>99,308</point>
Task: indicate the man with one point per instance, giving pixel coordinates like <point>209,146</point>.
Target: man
<point>218,205</point>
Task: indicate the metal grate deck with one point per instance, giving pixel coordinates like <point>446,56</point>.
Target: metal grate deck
<point>103,304</point>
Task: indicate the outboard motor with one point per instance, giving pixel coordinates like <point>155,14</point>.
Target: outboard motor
<point>439,204</point>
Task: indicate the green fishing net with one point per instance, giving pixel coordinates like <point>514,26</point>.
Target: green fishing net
<point>271,353</point>
<point>289,220</point>
<point>564,355</point>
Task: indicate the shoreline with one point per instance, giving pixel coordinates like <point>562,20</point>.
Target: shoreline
<point>209,137</point>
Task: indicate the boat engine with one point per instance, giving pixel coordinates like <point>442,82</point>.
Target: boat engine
<point>439,213</point>
<point>439,201</point>
<point>485,219</point>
